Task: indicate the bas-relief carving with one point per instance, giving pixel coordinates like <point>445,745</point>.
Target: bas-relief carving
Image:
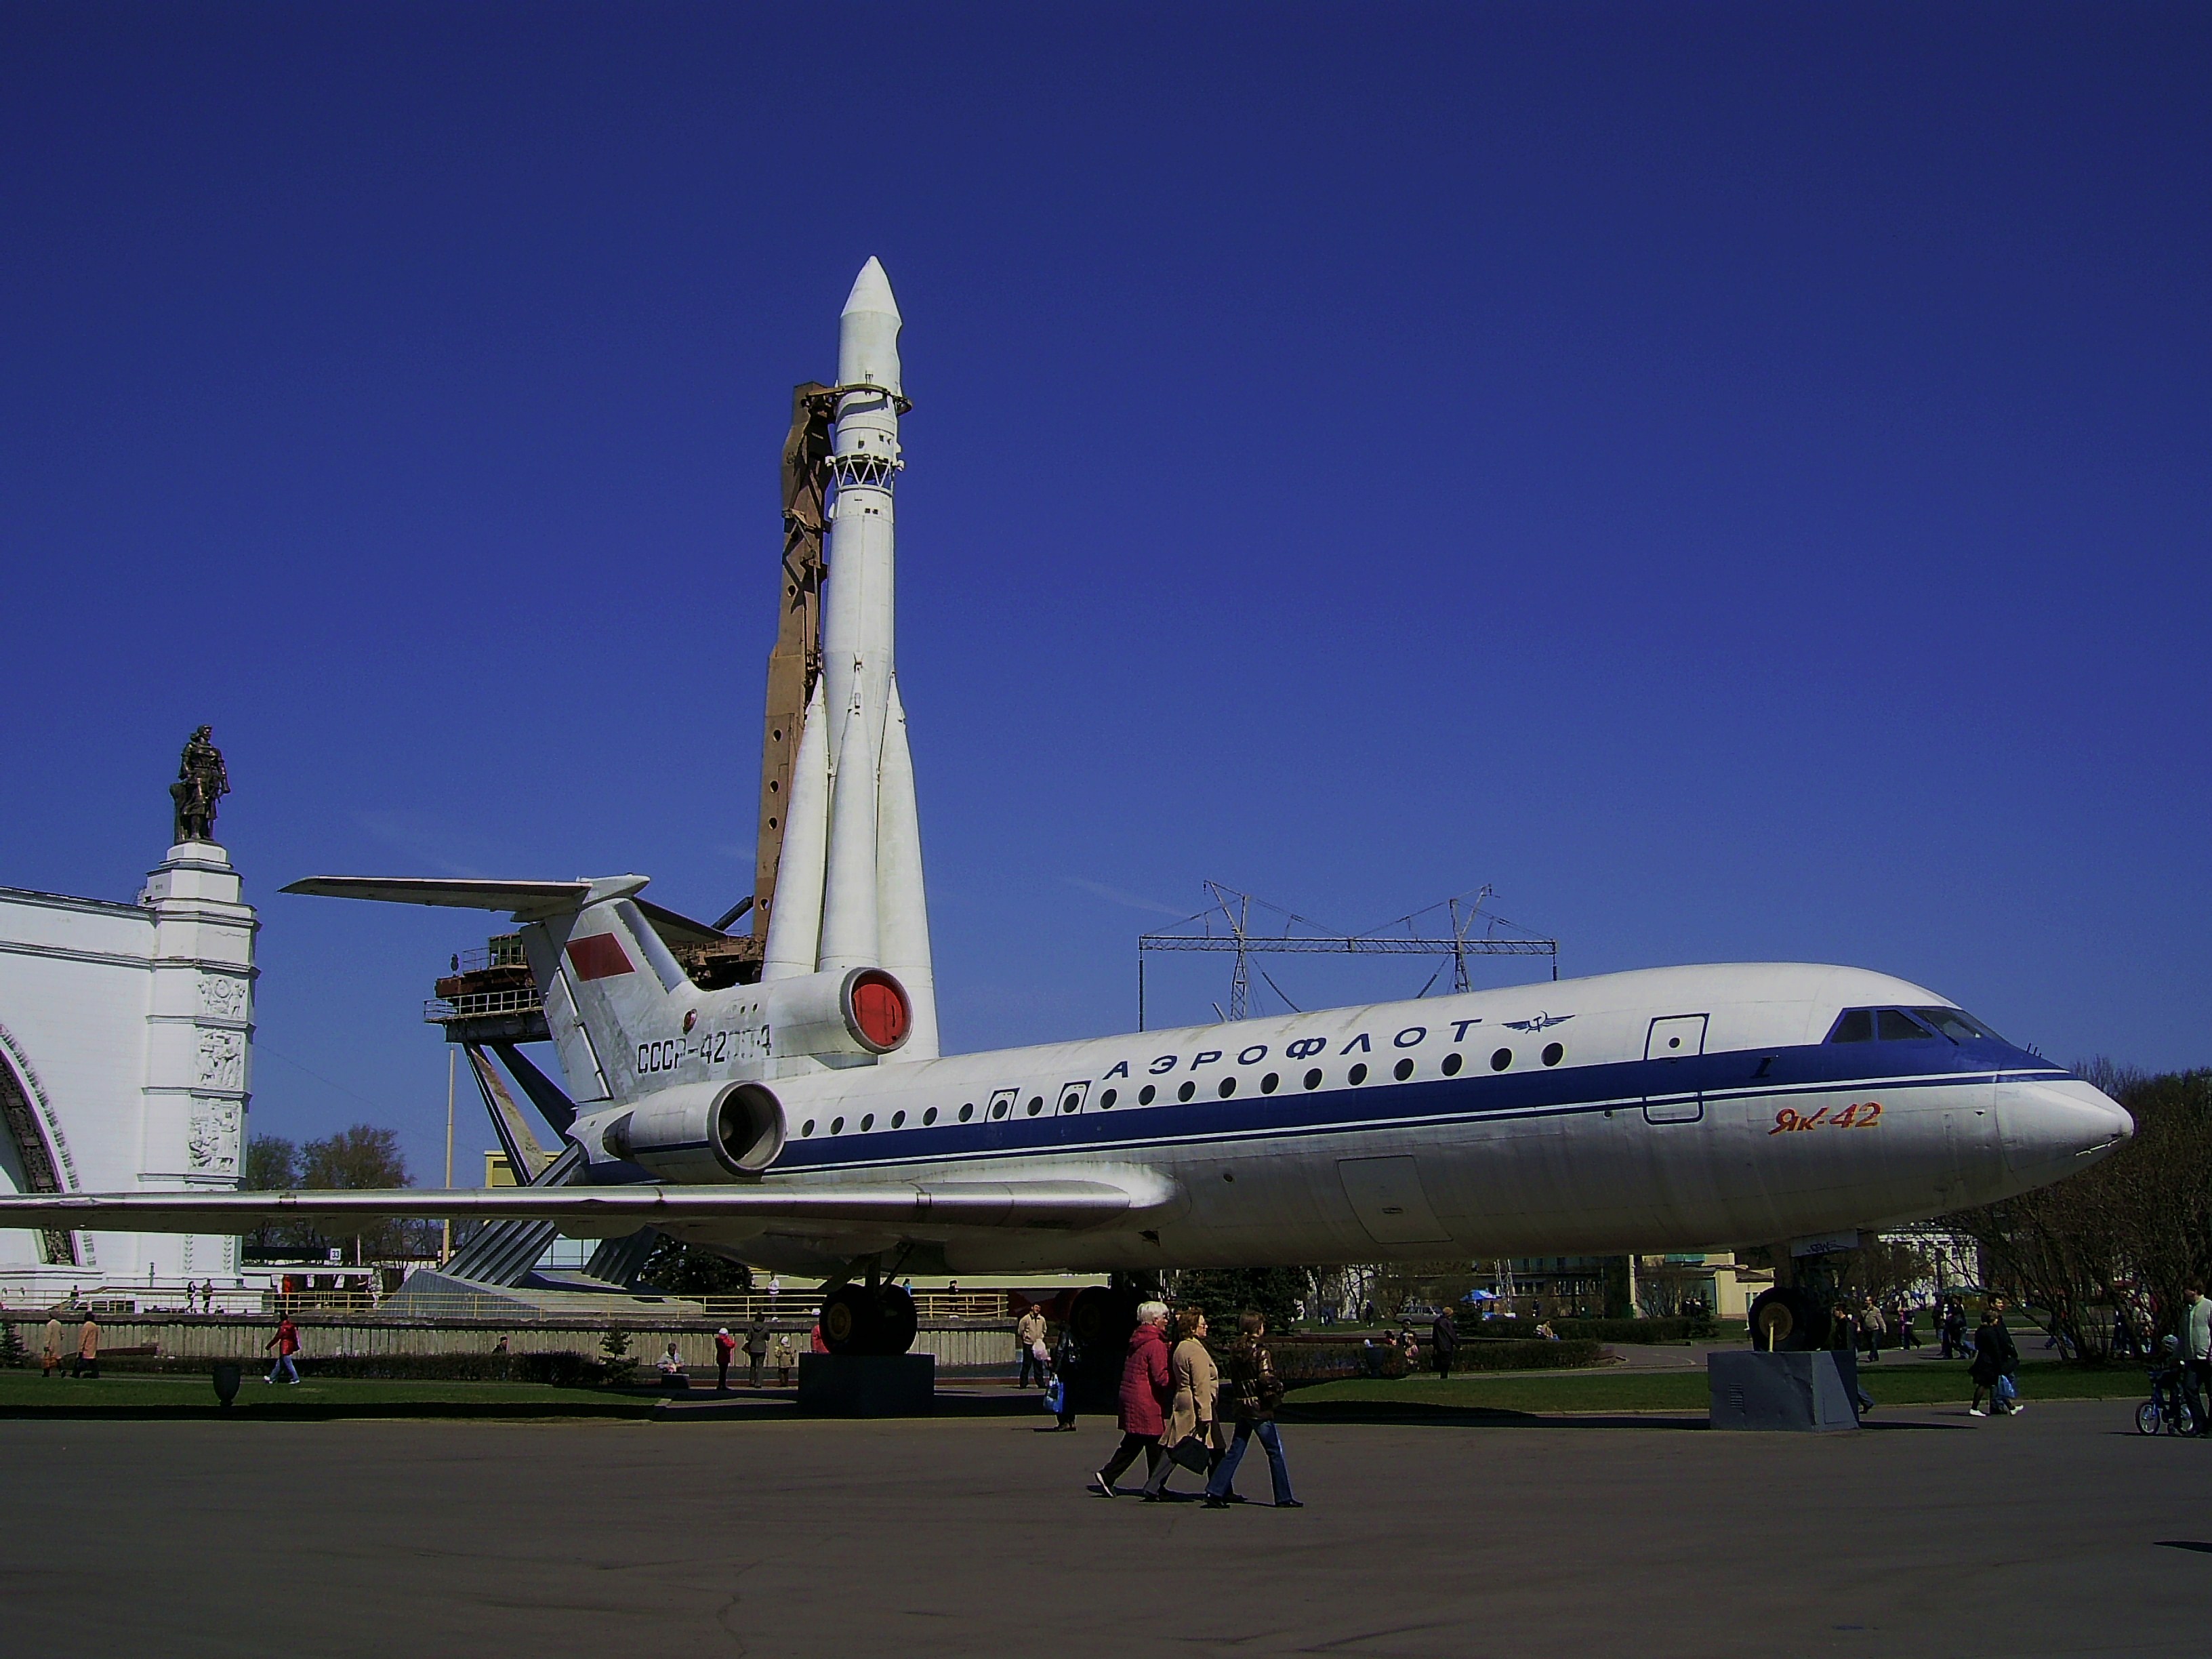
<point>212,1141</point>
<point>222,1059</point>
<point>222,996</point>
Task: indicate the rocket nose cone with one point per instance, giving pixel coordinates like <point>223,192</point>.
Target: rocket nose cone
<point>871,291</point>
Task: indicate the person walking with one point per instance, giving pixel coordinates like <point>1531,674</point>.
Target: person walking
<point>726,1350</point>
<point>1029,1338</point>
<point>1871,1328</point>
<point>88,1348</point>
<point>2196,1344</point>
<point>1147,1385</point>
<point>1190,1414</point>
<point>1066,1357</point>
<point>1901,1321</point>
<point>50,1353</point>
<point>1255,1392</point>
<point>1444,1342</point>
<point>287,1343</point>
<point>1954,1330</point>
<point>1996,1361</point>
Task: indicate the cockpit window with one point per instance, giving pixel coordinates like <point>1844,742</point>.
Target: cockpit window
<point>1958,1026</point>
<point>1893,1025</point>
<point>1855,1026</point>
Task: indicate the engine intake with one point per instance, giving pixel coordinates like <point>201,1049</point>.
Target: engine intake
<point>699,1131</point>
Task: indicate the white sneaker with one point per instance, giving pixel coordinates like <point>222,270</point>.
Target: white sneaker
<point>2015,1410</point>
<point>1976,1411</point>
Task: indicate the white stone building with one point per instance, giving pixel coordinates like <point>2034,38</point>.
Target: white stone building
<point>126,1035</point>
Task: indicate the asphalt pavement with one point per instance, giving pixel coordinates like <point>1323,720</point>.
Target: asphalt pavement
<point>2059,1532</point>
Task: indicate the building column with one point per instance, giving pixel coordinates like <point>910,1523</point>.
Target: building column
<point>199,1044</point>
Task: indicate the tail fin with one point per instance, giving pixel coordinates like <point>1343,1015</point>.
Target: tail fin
<point>613,992</point>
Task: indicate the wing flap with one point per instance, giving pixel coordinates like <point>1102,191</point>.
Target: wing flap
<point>950,1203</point>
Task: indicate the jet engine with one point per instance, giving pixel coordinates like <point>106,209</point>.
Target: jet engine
<point>861,1010</point>
<point>698,1132</point>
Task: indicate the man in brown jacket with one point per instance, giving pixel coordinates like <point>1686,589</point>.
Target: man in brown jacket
<point>1028,1337</point>
<point>88,1348</point>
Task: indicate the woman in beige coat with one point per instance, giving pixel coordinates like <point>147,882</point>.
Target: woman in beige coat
<point>1190,1414</point>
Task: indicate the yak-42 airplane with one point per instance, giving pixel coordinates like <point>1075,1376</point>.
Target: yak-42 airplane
<point>1683,1108</point>
<point>1664,1109</point>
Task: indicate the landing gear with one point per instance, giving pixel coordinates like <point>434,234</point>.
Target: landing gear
<point>1788,1320</point>
<point>1100,1321</point>
<point>857,1319</point>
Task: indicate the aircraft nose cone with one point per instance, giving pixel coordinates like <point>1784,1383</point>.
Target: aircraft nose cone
<point>2053,1130</point>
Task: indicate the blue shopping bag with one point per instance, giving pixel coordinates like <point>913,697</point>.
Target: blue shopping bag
<point>2005,1391</point>
<point>1055,1396</point>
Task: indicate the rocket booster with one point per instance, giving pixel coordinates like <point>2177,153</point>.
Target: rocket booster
<point>857,623</point>
<point>854,831</point>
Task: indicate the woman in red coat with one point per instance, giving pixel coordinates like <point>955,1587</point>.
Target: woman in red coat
<point>1147,1386</point>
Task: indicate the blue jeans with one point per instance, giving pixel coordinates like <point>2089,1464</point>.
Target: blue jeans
<point>1225,1476</point>
<point>284,1363</point>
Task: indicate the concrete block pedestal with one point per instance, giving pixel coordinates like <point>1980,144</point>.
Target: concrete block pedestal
<point>867,1385</point>
<point>1817,1392</point>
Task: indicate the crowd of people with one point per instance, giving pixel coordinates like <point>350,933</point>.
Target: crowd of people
<point>1171,1409</point>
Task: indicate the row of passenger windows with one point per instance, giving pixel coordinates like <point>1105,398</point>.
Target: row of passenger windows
<point>1073,1097</point>
<point>1909,1025</point>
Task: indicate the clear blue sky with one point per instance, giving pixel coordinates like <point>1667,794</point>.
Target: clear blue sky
<point>1735,478</point>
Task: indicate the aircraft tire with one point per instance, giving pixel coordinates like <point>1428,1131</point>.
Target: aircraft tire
<point>896,1320</point>
<point>1789,1320</point>
<point>850,1322</point>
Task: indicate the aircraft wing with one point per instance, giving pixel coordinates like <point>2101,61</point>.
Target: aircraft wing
<point>1057,1204</point>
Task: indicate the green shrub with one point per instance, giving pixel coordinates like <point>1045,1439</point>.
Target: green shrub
<point>560,1370</point>
<point>616,1364</point>
<point>1638,1330</point>
<point>1302,1362</point>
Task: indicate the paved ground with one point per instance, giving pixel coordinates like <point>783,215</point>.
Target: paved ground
<point>2062,1532</point>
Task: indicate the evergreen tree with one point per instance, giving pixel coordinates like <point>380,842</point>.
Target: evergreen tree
<point>1225,1293</point>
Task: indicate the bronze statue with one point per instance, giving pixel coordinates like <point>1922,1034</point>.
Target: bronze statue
<point>201,780</point>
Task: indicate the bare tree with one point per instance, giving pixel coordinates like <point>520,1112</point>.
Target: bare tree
<point>2122,1235</point>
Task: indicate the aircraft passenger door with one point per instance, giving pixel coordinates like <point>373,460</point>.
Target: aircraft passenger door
<point>1673,1039</point>
<point>1073,1094</point>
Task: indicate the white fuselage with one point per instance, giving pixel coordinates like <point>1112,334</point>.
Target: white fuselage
<point>1670,1109</point>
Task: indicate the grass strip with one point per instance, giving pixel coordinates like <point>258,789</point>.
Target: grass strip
<point>1917,1384</point>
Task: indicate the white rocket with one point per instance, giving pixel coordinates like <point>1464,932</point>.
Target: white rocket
<point>849,885</point>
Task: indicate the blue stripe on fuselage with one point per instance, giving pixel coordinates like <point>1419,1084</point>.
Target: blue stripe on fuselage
<point>1249,1115</point>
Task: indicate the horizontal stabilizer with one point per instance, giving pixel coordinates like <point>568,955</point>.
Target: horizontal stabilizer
<point>528,899</point>
<point>947,1203</point>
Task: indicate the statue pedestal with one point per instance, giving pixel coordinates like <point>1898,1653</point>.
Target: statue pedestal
<point>867,1385</point>
<point>1816,1392</point>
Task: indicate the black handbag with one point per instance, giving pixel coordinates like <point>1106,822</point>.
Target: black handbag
<point>1189,1453</point>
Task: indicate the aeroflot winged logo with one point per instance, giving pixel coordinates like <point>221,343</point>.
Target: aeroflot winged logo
<point>598,955</point>
<point>1542,1022</point>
